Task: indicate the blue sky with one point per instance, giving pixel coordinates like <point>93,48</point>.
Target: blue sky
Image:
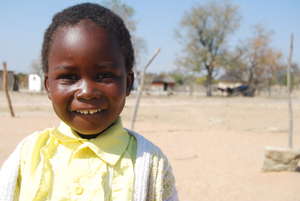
<point>23,23</point>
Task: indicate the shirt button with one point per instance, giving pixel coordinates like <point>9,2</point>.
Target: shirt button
<point>78,190</point>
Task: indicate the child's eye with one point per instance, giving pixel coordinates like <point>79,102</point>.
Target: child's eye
<point>105,77</point>
<point>68,78</point>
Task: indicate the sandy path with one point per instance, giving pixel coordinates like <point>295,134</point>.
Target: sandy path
<point>215,145</point>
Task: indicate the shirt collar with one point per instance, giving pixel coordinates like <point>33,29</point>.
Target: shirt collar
<point>109,145</point>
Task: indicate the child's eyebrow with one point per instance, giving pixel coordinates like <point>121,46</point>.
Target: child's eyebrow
<point>65,68</point>
<point>107,64</point>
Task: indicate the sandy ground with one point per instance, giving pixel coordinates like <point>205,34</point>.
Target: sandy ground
<point>216,145</point>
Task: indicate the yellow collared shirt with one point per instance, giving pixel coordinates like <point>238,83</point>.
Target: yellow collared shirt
<point>58,165</point>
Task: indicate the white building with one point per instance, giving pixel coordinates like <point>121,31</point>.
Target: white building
<point>34,83</point>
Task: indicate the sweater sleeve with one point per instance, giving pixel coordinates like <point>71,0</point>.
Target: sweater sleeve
<point>169,192</point>
<point>162,181</point>
<point>9,175</point>
<point>154,179</point>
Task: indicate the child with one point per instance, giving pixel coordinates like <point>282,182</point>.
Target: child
<point>87,58</point>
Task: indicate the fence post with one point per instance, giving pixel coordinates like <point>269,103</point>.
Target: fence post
<point>140,89</point>
<point>291,127</point>
<point>5,87</point>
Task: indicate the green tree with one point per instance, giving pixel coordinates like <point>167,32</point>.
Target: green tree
<point>204,31</point>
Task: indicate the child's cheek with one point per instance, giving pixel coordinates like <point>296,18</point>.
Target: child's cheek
<point>115,91</point>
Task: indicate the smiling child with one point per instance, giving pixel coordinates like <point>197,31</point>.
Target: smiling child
<point>87,59</point>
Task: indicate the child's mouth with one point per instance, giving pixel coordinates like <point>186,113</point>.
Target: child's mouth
<point>86,112</point>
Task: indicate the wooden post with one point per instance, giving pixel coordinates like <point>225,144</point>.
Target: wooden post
<point>140,89</point>
<point>5,87</point>
<point>289,94</point>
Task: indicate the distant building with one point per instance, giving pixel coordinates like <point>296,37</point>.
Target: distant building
<point>12,81</point>
<point>162,83</point>
<point>229,86</point>
<point>34,83</point>
<point>22,81</point>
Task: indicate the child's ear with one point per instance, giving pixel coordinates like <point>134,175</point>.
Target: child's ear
<point>130,80</point>
<point>46,85</point>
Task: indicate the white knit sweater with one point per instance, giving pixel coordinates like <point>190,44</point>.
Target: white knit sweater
<point>154,180</point>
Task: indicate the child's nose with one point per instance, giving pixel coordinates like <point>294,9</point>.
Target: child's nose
<point>87,90</point>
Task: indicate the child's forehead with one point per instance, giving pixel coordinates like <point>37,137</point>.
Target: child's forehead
<point>84,44</point>
<point>84,29</point>
<point>83,25</point>
<point>86,26</point>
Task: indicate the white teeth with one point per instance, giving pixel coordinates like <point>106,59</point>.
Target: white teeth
<point>88,111</point>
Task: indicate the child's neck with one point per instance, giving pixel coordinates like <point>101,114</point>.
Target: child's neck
<point>89,136</point>
<point>94,135</point>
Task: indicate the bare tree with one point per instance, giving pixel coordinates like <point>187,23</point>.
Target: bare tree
<point>126,12</point>
<point>254,62</point>
<point>203,32</point>
<point>36,67</point>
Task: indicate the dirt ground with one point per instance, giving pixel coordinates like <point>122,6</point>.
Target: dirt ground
<point>215,145</point>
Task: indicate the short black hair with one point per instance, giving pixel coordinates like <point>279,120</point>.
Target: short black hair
<point>100,16</point>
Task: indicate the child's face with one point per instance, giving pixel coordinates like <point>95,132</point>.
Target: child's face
<point>87,81</point>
